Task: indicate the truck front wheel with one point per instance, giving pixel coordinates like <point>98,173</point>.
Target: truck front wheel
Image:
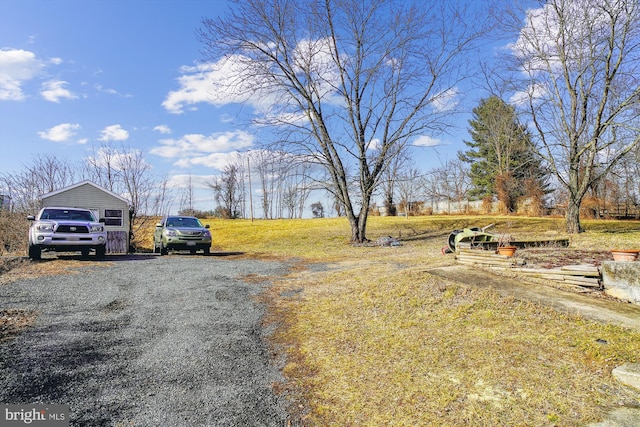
<point>35,252</point>
<point>101,251</point>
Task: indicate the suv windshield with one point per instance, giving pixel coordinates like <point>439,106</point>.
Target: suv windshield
<point>67,214</point>
<point>184,222</point>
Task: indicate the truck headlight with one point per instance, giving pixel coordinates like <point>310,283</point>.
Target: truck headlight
<point>45,227</point>
<point>96,228</point>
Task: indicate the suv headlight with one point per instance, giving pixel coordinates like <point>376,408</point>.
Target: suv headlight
<point>96,228</point>
<point>44,227</point>
<point>206,233</point>
<point>169,232</point>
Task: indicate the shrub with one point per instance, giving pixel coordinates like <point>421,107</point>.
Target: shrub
<point>14,228</point>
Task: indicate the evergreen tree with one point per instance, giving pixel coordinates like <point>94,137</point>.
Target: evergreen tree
<point>503,158</point>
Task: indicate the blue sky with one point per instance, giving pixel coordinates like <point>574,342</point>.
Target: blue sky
<point>75,74</point>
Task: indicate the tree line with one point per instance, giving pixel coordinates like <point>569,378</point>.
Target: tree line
<point>500,164</point>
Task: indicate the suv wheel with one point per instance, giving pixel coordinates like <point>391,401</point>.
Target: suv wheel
<point>35,252</point>
<point>163,249</point>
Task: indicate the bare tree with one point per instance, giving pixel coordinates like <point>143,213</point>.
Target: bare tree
<point>101,167</point>
<point>408,188</point>
<point>618,193</point>
<point>296,185</point>
<point>581,65</point>
<point>397,166</point>
<point>186,198</point>
<point>162,198</point>
<point>137,181</point>
<point>123,171</point>
<point>226,188</point>
<point>265,165</point>
<point>449,183</point>
<point>349,83</point>
<point>45,173</point>
<point>241,163</point>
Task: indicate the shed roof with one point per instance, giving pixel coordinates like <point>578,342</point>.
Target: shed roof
<point>80,184</point>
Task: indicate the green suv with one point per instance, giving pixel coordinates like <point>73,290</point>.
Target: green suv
<point>181,233</point>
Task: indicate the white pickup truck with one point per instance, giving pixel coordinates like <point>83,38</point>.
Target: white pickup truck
<point>66,229</point>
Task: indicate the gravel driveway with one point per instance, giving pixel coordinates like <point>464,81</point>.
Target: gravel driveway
<point>146,341</point>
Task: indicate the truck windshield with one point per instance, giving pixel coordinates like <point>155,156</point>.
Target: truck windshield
<point>68,214</point>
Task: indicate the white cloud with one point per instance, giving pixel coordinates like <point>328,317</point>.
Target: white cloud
<point>183,181</point>
<point>374,144</point>
<point>54,90</point>
<point>110,91</point>
<point>447,100</point>
<point>116,159</point>
<point>426,141</point>
<point>162,129</point>
<point>534,92</point>
<point>61,133</point>
<point>114,133</point>
<point>226,118</point>
<point>551,37</point>
<point>212,83</point>
<point>237,79</point>
<point>198,149</point>
<point>214,160</point>
<point>16,67</point>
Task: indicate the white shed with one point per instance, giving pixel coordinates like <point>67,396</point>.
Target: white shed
<point>106,205</point>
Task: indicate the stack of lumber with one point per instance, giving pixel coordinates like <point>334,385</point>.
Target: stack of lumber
<point>585,276</point>
<point>484,258</point>
<point>577,275</point>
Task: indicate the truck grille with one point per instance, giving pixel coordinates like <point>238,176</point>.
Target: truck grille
<point>72,229</point>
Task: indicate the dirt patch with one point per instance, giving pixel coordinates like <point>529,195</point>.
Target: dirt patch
<point>559,257</point>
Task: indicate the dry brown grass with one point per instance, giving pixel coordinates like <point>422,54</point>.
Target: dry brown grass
<point>13,232</point>
<point>374,339</point>
<point>371,338</point>
<point>368,344</point>
<point>15,268</point>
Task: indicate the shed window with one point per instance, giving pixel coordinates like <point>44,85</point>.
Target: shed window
<point>113,217</point>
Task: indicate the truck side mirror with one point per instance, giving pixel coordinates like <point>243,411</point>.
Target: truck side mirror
<point>31,217</point>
